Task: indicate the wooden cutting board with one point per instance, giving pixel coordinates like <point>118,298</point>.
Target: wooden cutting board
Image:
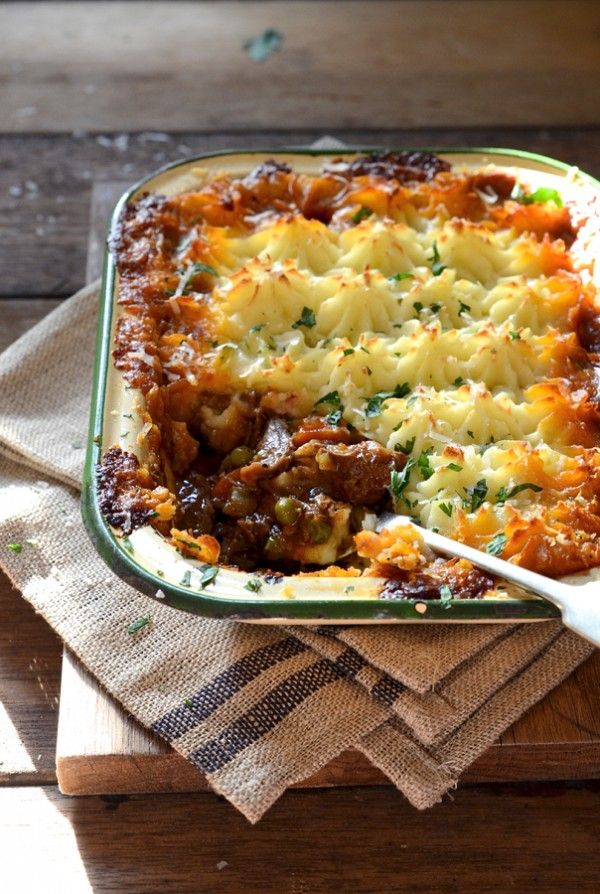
<point>101,750</point>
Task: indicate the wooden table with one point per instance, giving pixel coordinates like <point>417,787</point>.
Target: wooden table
<point>87,91</point>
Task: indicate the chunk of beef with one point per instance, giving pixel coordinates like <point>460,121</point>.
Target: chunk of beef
<point>195,511</point>
<point>464,581</point>
<point>354,473</point>
<point>402,166</point>
<point>274,453</point>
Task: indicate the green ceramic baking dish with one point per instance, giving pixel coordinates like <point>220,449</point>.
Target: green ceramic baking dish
<point>149,563</point>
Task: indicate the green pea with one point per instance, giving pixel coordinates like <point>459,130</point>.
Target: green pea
<point>240,502</point>
<point>287,510</point>
<point>319,531</point>
<point>274,546</point>
<point>239,456</point>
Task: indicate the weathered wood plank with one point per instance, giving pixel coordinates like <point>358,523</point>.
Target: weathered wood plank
<point>110,66</point>
<point>46,182</point>
<point>17,317</point>
<point>30,659</point>
<point>507,838</point>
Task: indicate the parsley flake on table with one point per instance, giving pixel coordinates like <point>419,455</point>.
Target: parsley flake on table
<point>263,45</point>
<point>15,548</point>
<point>496,544</point>
<point>307,319</point>
<point>138,625</point>
<point>436,264</point>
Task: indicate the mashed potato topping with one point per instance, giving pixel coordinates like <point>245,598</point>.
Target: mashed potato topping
<point>387,334</point>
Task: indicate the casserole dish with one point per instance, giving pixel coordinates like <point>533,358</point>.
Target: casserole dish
<point>158,565</point>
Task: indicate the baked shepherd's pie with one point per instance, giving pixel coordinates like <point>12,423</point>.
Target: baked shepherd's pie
<point>314,349</point>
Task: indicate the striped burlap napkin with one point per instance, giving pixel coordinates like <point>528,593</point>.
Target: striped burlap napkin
<point>253,708</point>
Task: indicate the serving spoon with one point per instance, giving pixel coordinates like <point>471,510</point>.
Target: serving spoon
<point>579,604</point>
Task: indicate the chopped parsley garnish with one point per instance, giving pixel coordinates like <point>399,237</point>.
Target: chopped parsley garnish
<point>254,585</point>
<point>496,544</point>
<point>446,508</point>
<point>454,467</point>
<point>445,595</point>
<point>418,306</point>
<point>258,327</point>
<point>424,466</point>
<point>398,277</point>
<point>504,494</point>
<point>332,398</point>
<point>463,307</point>
<point>470,434</point>
<point>15,548</point>
<point>349,588</point>
<point>542,194</point>
<point>436,265</point>
<point>435,308</point>
<point>263,45</point>
<point>374,404</point>
<point>458,381</point>
<point>199,267</point>
<point>476,495</point>
<point>361,214</point>
<point>347,352</point>
<point>407,448</point>
<point>186,580</point>
<point>399,480</point>
<point>307,319</point>
<point>514,335</point>
<point>364,349</point>
<point>335,417</point>
<point>138,625</point>
<point>208,574</point>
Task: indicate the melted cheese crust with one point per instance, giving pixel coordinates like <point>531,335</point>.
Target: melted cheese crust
<point>444,319</point>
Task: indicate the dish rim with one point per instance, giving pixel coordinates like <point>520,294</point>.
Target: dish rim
<point>255,608</point>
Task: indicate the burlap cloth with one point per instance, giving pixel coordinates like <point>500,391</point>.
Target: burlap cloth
<point>253,708</point>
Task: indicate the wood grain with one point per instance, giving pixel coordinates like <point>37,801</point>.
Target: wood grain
<point>376,64</point>
<point>539,838</point>
<point>30,659</point>
<point>46,183</point>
